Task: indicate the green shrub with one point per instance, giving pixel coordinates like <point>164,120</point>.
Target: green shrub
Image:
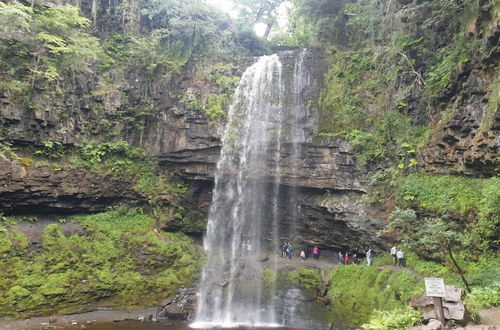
<point>357,291</point>
<point>306,278</point>
<point>482,272</point>
<point>217,105</point>
<point>401,318</point>
<point>445,194</point>
<point>351,106</point>
<point>483,297</point>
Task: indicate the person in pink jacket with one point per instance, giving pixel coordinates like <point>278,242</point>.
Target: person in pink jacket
<point>315,252</point>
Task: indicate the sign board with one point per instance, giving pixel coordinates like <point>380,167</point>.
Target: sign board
<point>434,287</point>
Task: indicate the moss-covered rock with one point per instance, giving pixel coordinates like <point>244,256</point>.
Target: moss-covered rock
<point>120,261</point>
<point>307,278</point>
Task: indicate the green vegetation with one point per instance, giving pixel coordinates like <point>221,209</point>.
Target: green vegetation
<point>118,260</point>
<point>39,47</point>
<point>483,297</point>
<point>223,76</point>
<point>356,292</point>
<point>269,277</point>
<point>305,277</point>
<point>403,318</point>
<point>353,107</point>
<point>444,195</point>
<point>478,272</point>
<point>48,55</point>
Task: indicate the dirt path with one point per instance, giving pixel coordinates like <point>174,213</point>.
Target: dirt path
<point>294,263</point>
<point>398,269</point>
<point>490,316</point>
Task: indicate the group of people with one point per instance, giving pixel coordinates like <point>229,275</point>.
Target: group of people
<point>305,251</point>
<point>347,259</point>
<point>398,257</point>
<point>286,251</point>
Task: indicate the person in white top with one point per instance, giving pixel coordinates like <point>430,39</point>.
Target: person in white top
<point>401,258</point>
<point>369,257</point>
<point>394,250</point>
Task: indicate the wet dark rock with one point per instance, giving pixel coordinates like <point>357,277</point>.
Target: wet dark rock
<point>28,189</point>
<point>181,307</point>
<point>469,142</point>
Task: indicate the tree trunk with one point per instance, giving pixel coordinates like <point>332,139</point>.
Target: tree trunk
<point>460,272</point>
<point>268,31</point>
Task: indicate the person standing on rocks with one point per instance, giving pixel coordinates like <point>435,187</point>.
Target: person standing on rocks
<point>394,250</point>
<point>369,257</point>
<point>341,258</point>
<point>306,250</point>
<point>283,249</point>
<point>315,252</point>
<point>346,259</point>
<point>401,259</point>
<point>289,251</point>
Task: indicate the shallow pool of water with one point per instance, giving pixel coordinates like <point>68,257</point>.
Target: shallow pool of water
<point>161,325</point>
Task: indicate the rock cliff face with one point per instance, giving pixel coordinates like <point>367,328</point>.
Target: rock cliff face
<point>33,189</point>
<point>463,145</point>
<point>188,144</point>
<point>467,140</point>
<point>325,180</point>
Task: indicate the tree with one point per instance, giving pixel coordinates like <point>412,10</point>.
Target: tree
<point>259,11</point>
<point>48,41</point>
<point>431,237</point>
<point>15,19</point>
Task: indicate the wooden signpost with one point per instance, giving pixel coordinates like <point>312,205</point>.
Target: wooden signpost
<point>434,287</point>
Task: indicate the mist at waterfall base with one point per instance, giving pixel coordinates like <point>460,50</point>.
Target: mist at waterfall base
<point>266,123</point>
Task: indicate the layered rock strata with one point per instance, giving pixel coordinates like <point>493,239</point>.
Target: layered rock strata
<point>34,189</point>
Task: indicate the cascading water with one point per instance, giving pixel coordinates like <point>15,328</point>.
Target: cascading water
<point>244,221</point>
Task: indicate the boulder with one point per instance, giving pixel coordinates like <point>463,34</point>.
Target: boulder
<point>180,307</point>
<point>454,311</point>
<point>453,307</point>
<point>174,312</point>
<point>428,315</point>
<point>421,301</point>
<point>453,294</point>
<point>432,325</point>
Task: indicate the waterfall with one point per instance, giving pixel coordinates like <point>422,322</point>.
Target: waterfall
<point>264,126</point>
